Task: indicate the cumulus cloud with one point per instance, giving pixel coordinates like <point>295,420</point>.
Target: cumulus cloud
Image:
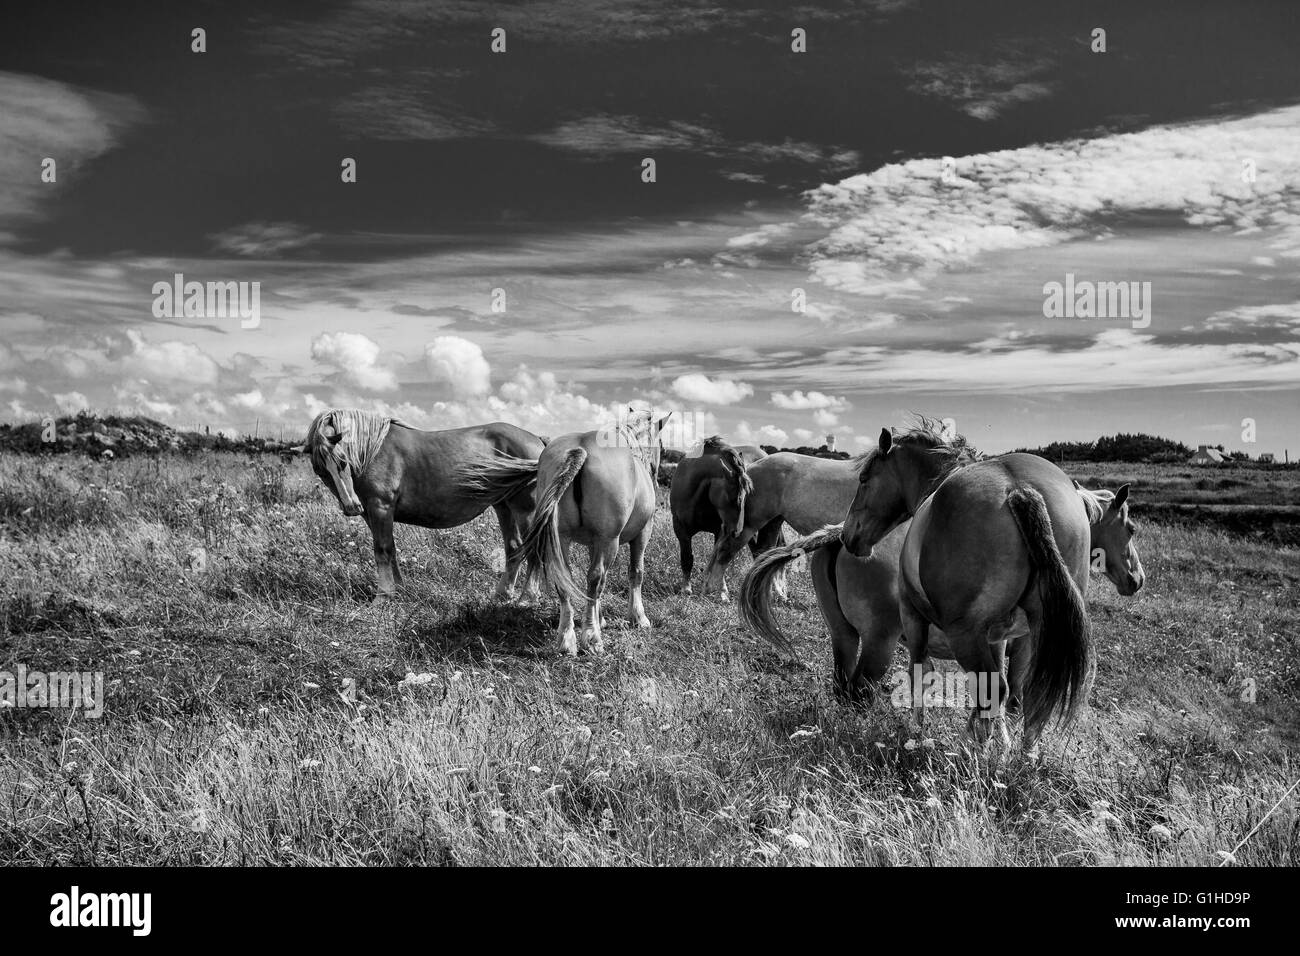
<point>460,363</point>
<point>697,387</point>
<point>355,357</point>
<point>69,403</point>
<point>168,361</point>
<point>801,401</point>
<point>764,435</point>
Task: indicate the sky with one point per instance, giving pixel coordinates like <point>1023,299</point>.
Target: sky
<point>834,239</point>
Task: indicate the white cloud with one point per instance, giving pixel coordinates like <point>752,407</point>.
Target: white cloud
<point>460,363</point>
<point>696,387</point>
<point>355,357</point>
<point>169,361</point>
<point>69,403</point>
<point>886,228</point>
<point>803,401</point>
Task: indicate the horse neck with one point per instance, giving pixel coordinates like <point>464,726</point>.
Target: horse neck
<point>924,481</point>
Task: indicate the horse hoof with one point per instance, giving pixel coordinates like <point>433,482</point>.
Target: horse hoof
<point>642,621</point>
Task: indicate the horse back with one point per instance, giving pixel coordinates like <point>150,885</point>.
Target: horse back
<point>965,552</point>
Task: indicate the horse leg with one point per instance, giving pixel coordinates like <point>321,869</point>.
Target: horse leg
<point>725,548</point>
<point>687,554</point>
<point>568,639</point>
<point>601,558</point>
<point>916,632</point>
<point>510,540</point>
<point>982,661</point>
<point>380,518</point>
<point>1020,660</point>
<point>636,576</point>
<point>844,636</point>
<point>768,537</point>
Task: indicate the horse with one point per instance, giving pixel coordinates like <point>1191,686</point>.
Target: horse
<point>386,470</point>
<point>708,494</point>
<point>987,537</point>
<point>859,596</point>
<point>806,493</point>
<point>596,488</point>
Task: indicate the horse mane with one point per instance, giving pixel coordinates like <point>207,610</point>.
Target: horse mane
<point>929,434</point>
<point>719,446</point>
<point>363,435</point>
<point>1095,501</point>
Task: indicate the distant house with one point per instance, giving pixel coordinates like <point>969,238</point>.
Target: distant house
<point>1266,457</point>
<point>1205,455</point>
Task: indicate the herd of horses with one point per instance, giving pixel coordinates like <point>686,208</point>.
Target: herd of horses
<point>980,560</point>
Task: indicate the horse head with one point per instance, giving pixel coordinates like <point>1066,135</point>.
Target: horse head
<point>1113,534</point>
<point>895,477</point>
<point>329,459</point>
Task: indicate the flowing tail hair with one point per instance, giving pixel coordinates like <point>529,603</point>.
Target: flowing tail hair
<point>541,545</point>
<point>497,477</point>
<point>755,604</point>
<point>1059,672</point>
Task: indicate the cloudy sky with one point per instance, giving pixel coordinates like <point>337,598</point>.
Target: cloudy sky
<point>921,172</point>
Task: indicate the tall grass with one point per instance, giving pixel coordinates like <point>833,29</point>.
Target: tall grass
<point>261,710</point>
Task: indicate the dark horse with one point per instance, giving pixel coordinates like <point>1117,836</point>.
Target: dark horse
<point>708,496</point>
<point>987,538</point>
<point>388,471</point>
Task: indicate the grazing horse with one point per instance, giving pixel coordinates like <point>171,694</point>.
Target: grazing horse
<point>709,494</point>
<point>859,596</point>
<point>986,538</point>
<point>805,492</point>
<point>598,489</point>
<point>387,470</point>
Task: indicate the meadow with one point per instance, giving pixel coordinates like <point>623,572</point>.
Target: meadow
<point>262,710</point>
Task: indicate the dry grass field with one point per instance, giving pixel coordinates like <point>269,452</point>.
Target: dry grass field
<point>261,710</point>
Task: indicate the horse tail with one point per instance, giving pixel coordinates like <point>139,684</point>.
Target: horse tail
<point>1059,672</point>
<point>541,545</point>
<point>497,477</point>
<point>755,604</point>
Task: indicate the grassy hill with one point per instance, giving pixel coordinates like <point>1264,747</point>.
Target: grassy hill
<point>261,710</point>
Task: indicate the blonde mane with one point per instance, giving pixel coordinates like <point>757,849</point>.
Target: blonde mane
<point>1095,502</point>
<point>363,435</point>
<point>932,435</point>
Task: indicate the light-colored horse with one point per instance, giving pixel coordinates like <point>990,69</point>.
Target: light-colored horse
<point>709,494</point>
<point>597,489</point>
<point>986,538</point>
<point>806,493</point>
<point>859,596</point>
<point>387,471</point>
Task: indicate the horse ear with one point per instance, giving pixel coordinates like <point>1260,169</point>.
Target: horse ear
<point>886,440</point>
<point>1121,496</point>
<point>1077,486</point>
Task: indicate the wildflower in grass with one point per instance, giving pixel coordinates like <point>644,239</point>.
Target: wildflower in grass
<point>1161,832</point>
<point>1225,858</point>
<point>310,686</point>
<point>607,819</point>
<point>415,680</point>
<point>534,769</point>
<point>934,803</point>
<point>910,745</point>
<point>797,841</point>
<point>309,764</point>
<point>810,730</point>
